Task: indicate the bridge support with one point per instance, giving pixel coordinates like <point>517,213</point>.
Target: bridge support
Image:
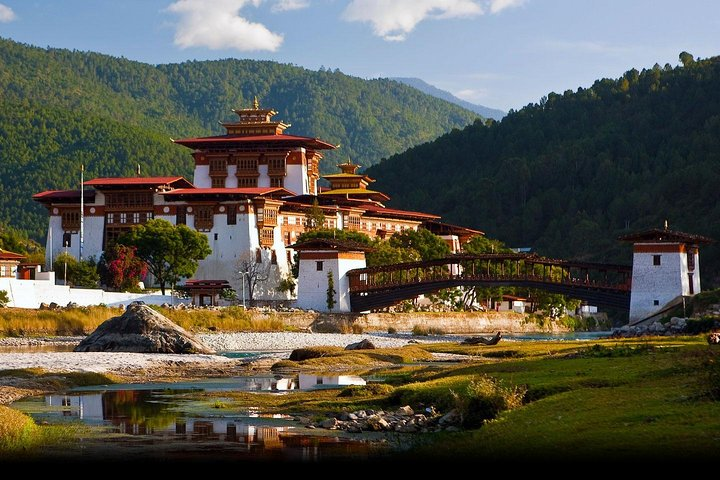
<point>318,260</point>
<point>666,266</point>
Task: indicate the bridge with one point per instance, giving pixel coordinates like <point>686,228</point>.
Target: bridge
<point>604,285</point>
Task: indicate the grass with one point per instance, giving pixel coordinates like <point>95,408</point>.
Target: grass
<point>336,358</point>
<point>17,431</point>
<point>18,322</point>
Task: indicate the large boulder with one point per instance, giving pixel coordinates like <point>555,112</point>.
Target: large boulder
<point>361,345</point>
<point>141,329</point>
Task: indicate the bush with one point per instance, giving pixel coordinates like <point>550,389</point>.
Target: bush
<point>601,351</point>
<point>4,298</point>
<point>369,390</point>
<point>357,328</point>
<point>484,398</point>
<point>695,326</point>
<point>420,331</point>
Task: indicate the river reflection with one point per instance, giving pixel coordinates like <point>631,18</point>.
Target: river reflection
<point>152,419</point>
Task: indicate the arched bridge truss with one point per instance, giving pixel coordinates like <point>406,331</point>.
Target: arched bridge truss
<point>599,284</point>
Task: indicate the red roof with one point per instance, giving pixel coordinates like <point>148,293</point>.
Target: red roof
<point>314,143</point>
<point>154,181</point>
<point>63,195</point>
<point>253,191</point>
<point>400,213</point>
<point>5,255</point>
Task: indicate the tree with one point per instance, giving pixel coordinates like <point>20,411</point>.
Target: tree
<point>330,291</point>
<point>314,217</point>
<point>171,252</point>
<point>385,254</point>
<point>77,273</point>
<point>428,245</point>
<point>251,269</point>
<point>686,58</point>
<point>4,298</point>
<point>121,268</point>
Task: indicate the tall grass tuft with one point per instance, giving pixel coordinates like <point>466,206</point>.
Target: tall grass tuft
<point>17,431</point>
<point>421,331</point>
<point>484,398</point>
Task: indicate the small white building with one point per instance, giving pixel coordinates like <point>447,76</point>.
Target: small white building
<point>666,265</point>
<point>318,260</point>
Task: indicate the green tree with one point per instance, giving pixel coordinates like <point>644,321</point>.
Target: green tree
<point>330,291</point>
<point>4,299</point>
<point>428,245</point>
<point>385,254</point>
<point>76,273</point>
<point>314,217</point>
<point>171,252</point>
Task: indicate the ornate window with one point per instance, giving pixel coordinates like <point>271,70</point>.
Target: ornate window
<point>267,236</point>
<point>218,165</point>
<point>204,217</point>
<point>180,216</point>
<point>218,182</point>
<point>71,220</point>
<point>276,182</point>
<point>247,182</point>
<point>231,214</point>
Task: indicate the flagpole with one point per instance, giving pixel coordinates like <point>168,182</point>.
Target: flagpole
<point>82,209</point>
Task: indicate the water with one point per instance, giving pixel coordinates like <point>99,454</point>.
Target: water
<point>175,420</point>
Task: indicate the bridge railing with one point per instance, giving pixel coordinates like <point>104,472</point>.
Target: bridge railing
<point>487,268</point>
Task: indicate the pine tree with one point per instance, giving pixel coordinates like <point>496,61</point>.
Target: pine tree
<point>330,291</point>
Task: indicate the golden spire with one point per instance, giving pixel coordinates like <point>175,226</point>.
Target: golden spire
<point>348,167</point>
<point>256,104</point>
<point>666,224</point>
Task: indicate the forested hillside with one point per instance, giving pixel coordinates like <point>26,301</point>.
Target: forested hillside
<point>60,108</point>
<point>570,174</point>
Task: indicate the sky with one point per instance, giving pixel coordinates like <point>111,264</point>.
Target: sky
<point>498,53</point>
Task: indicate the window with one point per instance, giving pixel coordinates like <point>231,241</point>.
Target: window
<point>656,302</point>
<point>276,165</point>
<point>691,284</point>
<point>276,182</point>
<point>71,220</point>
<point>231,214</point>
<point>180,217</point>
<point>691,260</point>
<point>218,165</point>
<point>319,265</point>
<point>267,236</point>
<point>111,218</point>
<point>247,182</point>
<point>3,271</point>
<point>67,240</point>
<point>204,217</point>
<point>136,217</point>
<point>273,258</point>
<point>247,165</point>
<point>656,259</point>
<point>218,182</point>
<point>123,218</point>
<point>258,256</point>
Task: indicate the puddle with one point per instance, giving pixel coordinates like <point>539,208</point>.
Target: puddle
<point>168,420</point>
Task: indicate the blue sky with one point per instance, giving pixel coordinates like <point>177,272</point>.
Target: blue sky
<point>499,53</point>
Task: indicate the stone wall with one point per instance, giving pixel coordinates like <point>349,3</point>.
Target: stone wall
<point>450,322</point>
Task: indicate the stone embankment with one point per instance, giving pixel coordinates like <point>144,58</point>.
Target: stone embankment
<point>402,420</point>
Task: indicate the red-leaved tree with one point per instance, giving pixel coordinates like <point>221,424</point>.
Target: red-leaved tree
<point>122,268</point>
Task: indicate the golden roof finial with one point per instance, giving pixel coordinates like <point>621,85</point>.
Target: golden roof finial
<point>666,224</point>
<point>256,104</point>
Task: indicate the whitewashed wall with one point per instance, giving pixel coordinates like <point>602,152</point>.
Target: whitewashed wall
<point>312,284</point>
<point>659,283</point>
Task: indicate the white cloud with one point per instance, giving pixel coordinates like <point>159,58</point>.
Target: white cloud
<point>496,6</point>
<point>6,14</point>
<point>287,5</point>
<point>217,24</point>
<point>394,19</point>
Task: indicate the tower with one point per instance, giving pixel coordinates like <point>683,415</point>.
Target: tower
<point>666,267</point>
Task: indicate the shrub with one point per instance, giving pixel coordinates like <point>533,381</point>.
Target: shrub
<point>4,299</point>
<point>357,328</point>
<point>369,390</point>
<point>421,331</point>
<point>695,326</point>
<point>484,398</point>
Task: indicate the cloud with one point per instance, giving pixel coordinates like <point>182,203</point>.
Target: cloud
<point>394,19</point>
<point>217,24</point>
<point>287,5</point>
<point>6,14</point>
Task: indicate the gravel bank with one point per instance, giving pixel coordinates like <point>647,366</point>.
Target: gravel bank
<point>285,341</point>
<point>101,361</point>
<point>38,341</point>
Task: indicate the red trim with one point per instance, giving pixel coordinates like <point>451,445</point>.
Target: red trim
<point>315,143</point>
<point>137,181</point>
<point>255,191</point>
<point>5,255</point>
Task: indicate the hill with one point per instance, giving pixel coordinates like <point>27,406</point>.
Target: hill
<point>61,108</point>
<point>570,174</point>
<point>423,86</point>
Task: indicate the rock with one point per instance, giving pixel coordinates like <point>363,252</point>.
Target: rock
<point>143,330</point>
<point>330,423</point>
<point>452,428</point>
<point>450,418</point>
<point>405,411</point>
<point>714,339</point>
<point>44,306</point>
<point>312,427</point>
<point>53,306</point>
<point>71,305</point>
<point>353,428</point>
<point>360,414</point>
<point>344,416</point>
<point>361,345</point>
<point>377,423</point>
<point>352,416</point>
